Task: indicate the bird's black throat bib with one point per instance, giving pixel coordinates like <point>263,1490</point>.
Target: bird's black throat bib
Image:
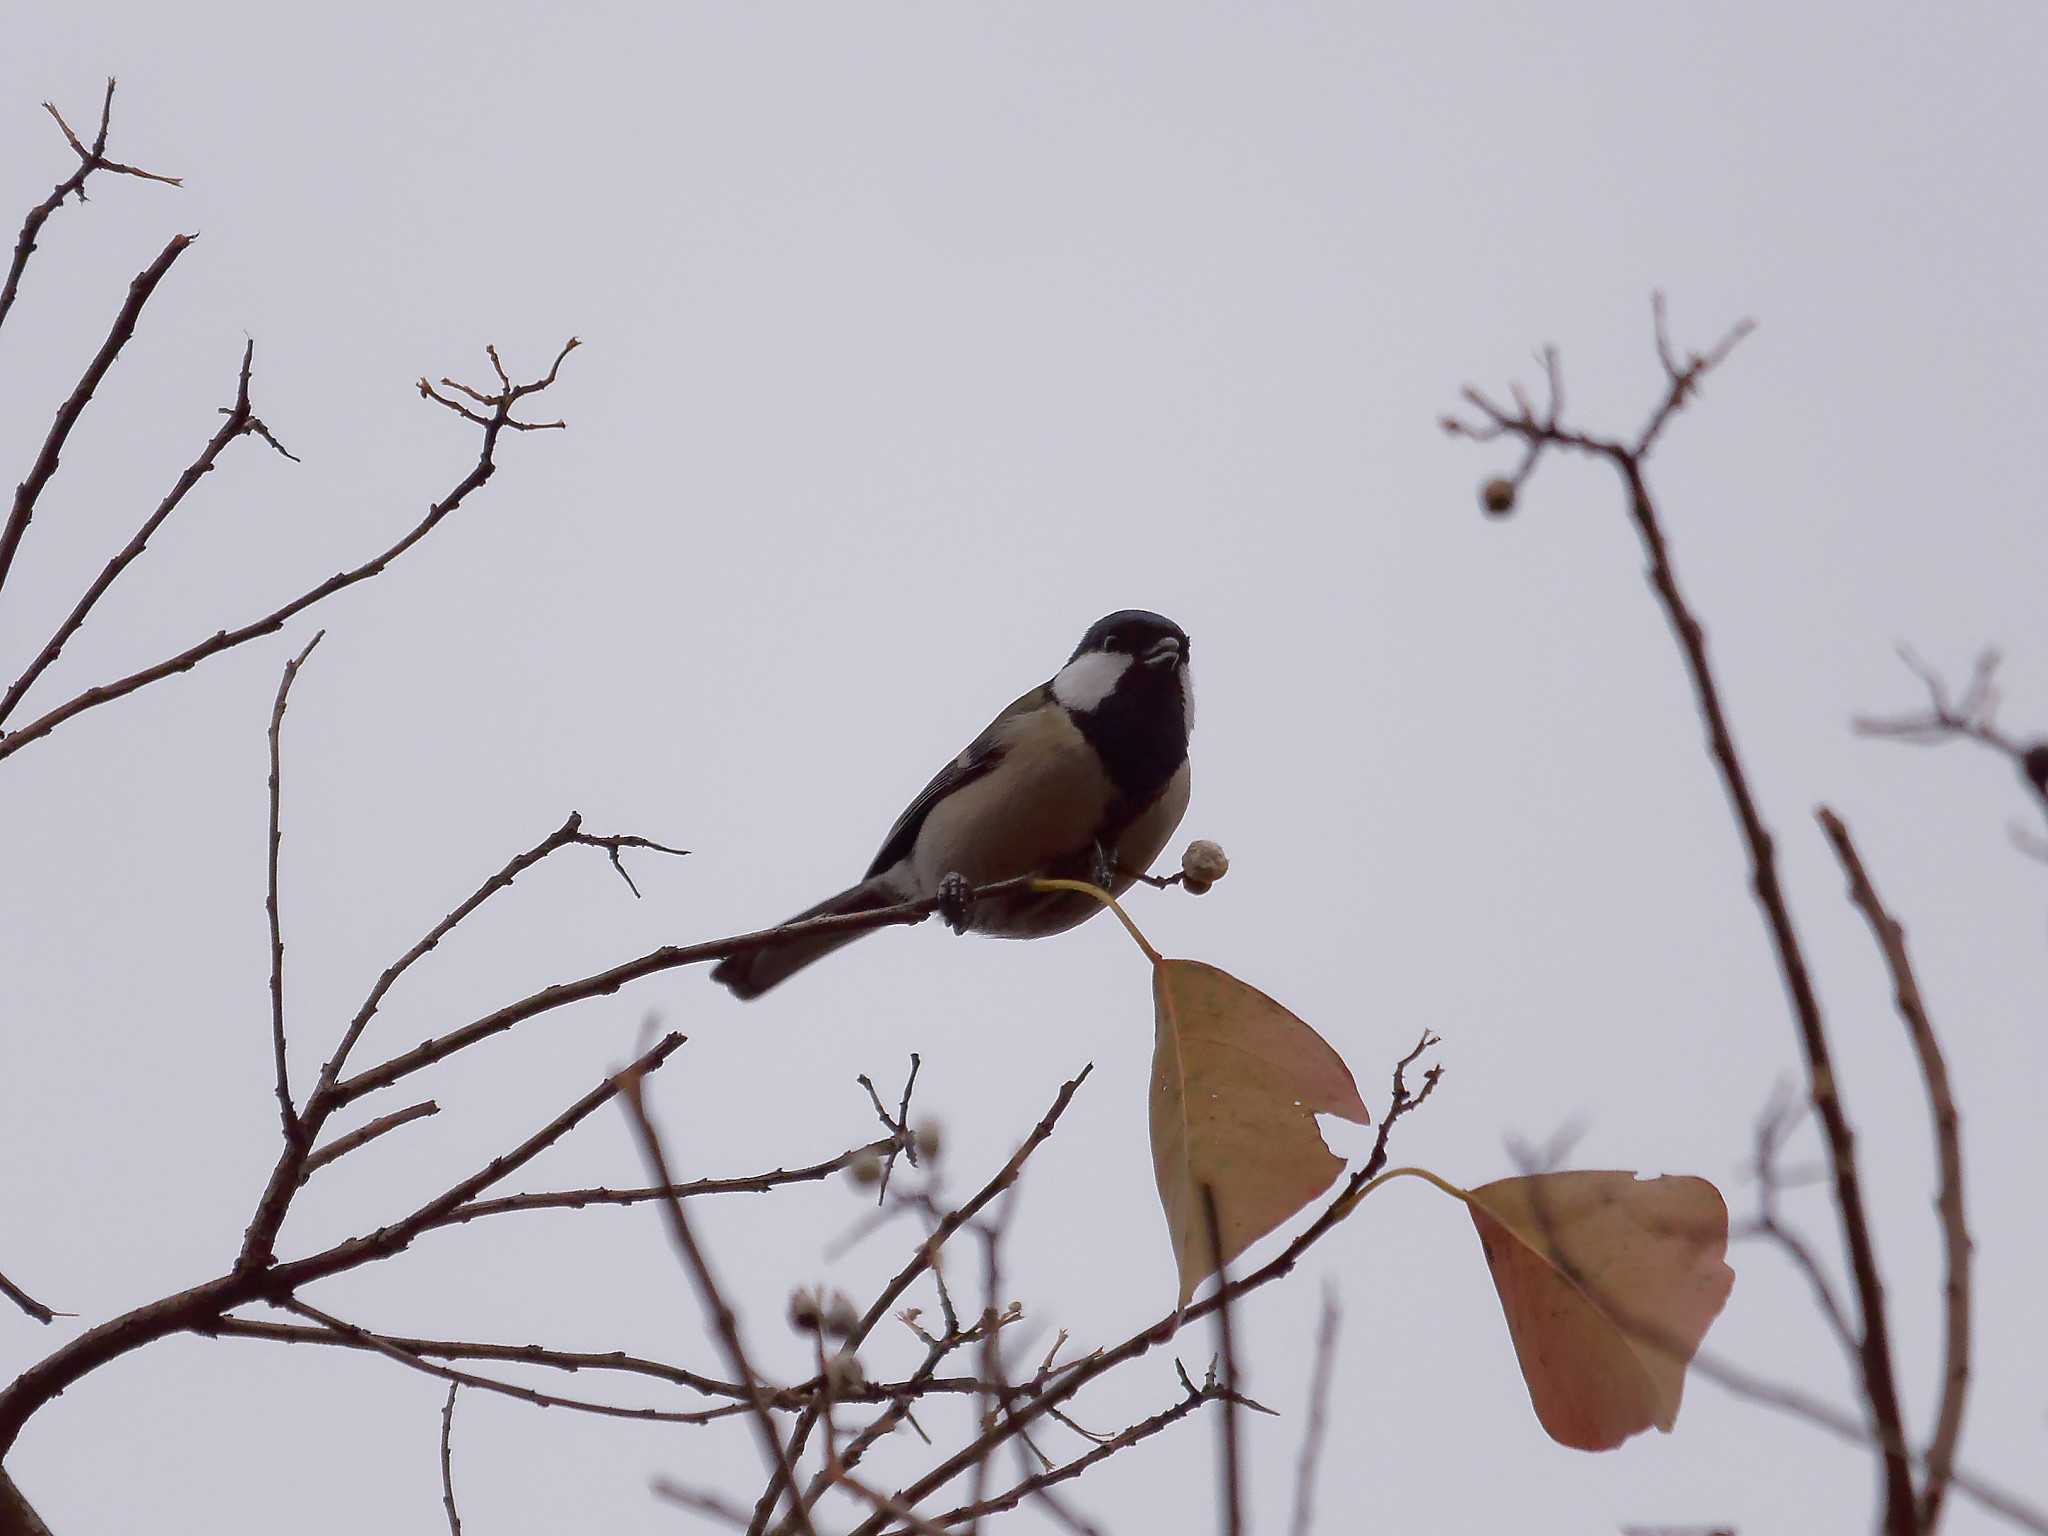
<point>1140,732</point>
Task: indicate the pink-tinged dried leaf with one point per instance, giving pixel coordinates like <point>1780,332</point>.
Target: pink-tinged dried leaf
<point>1237,1083</point>
<point>1609,1283</point>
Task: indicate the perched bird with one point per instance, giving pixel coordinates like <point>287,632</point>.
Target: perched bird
<point>1084,777</point>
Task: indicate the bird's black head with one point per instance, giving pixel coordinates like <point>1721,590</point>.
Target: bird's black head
<point>1149,637</point>
<point>1128,688</point>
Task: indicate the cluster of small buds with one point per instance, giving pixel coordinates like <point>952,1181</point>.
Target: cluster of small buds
<point>991,1319</point>
<point>1202,866</point>
<point>814,1310</point>
<point>865,1169</point>
<point>928,1139</point>
<point>843,1373</point>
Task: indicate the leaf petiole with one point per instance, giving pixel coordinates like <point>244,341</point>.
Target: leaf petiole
<point>1082,887</point>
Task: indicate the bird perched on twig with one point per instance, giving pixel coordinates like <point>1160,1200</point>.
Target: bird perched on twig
<point>1083,778</point>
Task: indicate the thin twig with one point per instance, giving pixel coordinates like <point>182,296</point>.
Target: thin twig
<point>612,845</point>
<point>997,1399</point>
<point>89,160</point>
<point>788,1399</point>
<point>46,460</point>
<point>570,831</point>
<point>448,1460</point>
<point>701,1500</point>
<point>1037,1484</point>
<point>391,1351</point>
<point>1974,717</point>
<point>28,1303</point>
<point>905,1143</point>
<point>1772,1127</point>
<point>749,1184</point>
<point>1232,1457</point>
<point>571,1361</point>
<point>1538,432</point>
<point>1955,1231</point>
<point>294,1132</point>
<point>1402,1102</point>
<point>341,1146</point>
<point>1318,1416</point>
<point>725,1326</point>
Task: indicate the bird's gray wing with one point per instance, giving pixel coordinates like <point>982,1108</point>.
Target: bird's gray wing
<point>981,755</point>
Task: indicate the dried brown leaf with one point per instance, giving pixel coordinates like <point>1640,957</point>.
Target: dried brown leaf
<point>1609,1282</point>
<point>1237,1083</point>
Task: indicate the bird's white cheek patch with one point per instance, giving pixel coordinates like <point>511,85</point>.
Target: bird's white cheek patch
<point>1187,699</point>
<point>1086,681</point>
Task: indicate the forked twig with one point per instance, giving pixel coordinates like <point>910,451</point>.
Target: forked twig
<point>89,160</point>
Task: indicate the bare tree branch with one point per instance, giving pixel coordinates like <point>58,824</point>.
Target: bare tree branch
<point>290,1170</point>
<point>725,1326</point>
<point>68,413</point>
<point>241,422</point>
<point>398,1236</point>
<point>1955,1231</point>
<point>255,1277</point>
<point>1538,432</point>
<point>89,160</point>
<point>605,982</point>
<point>925,1258</point>
<point>1068,1380</point>
<point>17,1517</point>
<point>570,831</point>
<point>226,639</point>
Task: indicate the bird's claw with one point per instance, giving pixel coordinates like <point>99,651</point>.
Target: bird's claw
<point>1105,867</point>
<point>956,901</point>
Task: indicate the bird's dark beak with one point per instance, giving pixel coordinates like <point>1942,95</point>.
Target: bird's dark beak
<point>1163,653</point>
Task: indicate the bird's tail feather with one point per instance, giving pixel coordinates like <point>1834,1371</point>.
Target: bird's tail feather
<point>750,974</point>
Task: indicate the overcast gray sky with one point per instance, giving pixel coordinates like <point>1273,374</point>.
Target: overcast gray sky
<point>916,338</point>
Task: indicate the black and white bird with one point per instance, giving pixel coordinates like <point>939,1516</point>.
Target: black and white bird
<point>1084,777</point>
